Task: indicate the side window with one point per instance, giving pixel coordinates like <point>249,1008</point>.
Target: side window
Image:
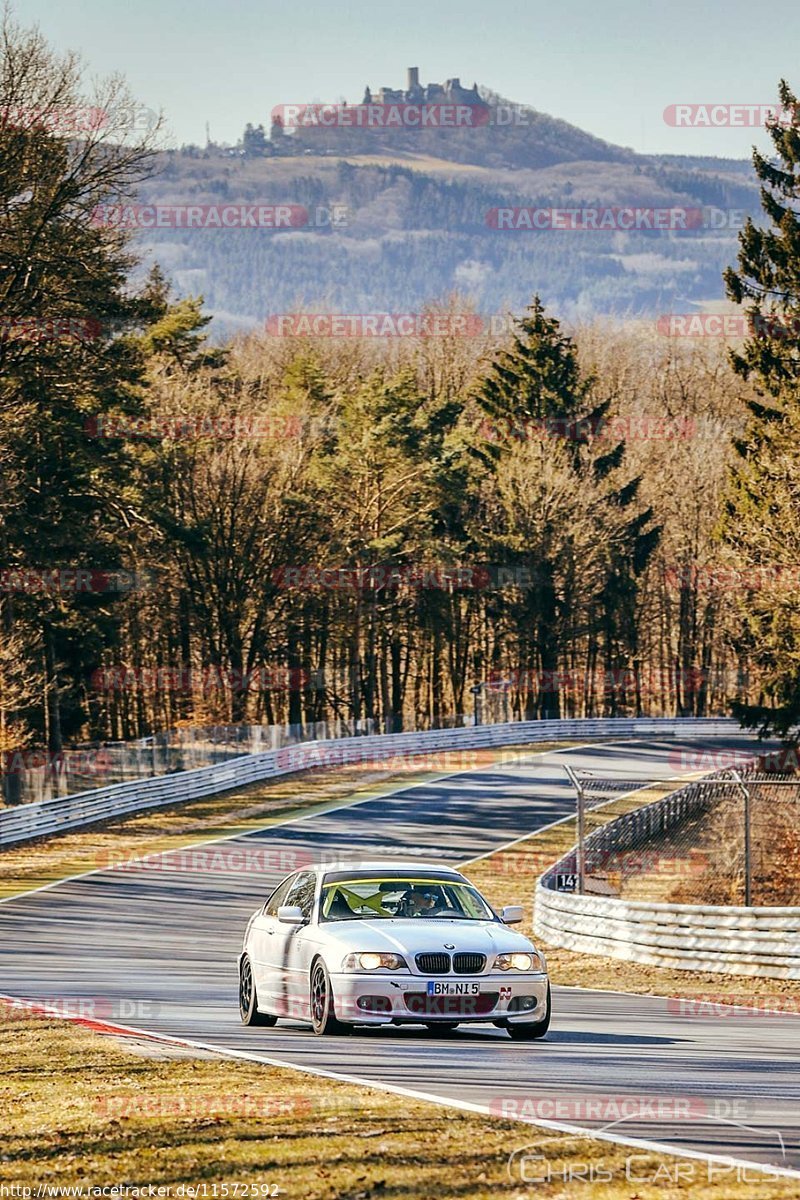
<point>302,893</point>
<point>277,897</point>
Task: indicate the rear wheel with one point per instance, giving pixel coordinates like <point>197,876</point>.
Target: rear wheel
<point>248,1000</point>
<point>529,1031</point>
<point>323,1013</point>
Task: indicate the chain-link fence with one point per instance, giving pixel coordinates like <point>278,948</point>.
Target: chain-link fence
<point>732,839</point>
<point>29,775</point>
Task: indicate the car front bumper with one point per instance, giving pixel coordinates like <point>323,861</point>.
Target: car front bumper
<point>381,998</point>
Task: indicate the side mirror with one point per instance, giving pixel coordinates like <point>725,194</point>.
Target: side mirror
<point>511,914</point>
<point>291,914</point>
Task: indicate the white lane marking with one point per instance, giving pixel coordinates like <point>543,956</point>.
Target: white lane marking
<point>319,812</point>
<point>416,1094</point>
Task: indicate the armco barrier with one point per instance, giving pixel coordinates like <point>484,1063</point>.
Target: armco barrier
<point>30,821</point>
<point>694,937</point>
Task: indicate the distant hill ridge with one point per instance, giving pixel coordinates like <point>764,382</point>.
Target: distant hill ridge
<point>417,224</point>
<point>515,136</point>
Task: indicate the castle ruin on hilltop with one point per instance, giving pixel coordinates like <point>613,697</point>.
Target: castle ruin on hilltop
<point>416,93</point>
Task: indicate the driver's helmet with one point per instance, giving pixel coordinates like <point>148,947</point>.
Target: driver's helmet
<point>419,899</point>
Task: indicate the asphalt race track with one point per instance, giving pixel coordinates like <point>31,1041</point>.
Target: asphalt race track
<point>162,940</point>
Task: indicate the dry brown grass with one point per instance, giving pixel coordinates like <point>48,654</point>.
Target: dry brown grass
<point>84,1109</point>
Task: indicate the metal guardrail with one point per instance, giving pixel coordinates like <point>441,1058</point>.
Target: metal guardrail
<point>49,817</point>
<point>31,776</point>
<point>738,940</point>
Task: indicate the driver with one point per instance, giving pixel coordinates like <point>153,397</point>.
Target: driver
<point>419,904</point>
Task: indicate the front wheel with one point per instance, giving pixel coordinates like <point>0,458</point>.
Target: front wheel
<point>323,1014</point>
<point>529,1031</point>
<point>248,1001</point>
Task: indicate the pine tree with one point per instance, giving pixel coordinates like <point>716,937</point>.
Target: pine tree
<point>763,511</point>
<point>537,382</point>
<point>535,392</point>
<point>65,363</point>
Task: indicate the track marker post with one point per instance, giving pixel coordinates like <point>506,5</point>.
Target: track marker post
<point>580,861</point>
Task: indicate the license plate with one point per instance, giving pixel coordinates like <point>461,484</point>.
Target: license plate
<point>438,987</point>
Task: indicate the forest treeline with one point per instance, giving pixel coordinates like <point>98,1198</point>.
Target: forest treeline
<point>405,235</point>
<point>292,529</point>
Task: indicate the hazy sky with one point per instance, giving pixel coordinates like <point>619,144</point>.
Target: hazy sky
<point>610,68</point>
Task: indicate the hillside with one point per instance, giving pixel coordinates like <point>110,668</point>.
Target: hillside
<point>414,223</point>
<point>515,136</point>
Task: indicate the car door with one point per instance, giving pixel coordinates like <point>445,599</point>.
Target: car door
<point>264,956</point>
<point>294,946</point>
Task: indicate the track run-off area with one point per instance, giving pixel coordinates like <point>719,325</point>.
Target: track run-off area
<point>160,939</point>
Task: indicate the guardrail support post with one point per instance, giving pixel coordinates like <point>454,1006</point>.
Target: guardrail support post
<point>580,861</point>
<point>748,857</point>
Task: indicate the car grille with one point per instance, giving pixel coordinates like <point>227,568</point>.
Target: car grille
<point>468,964</point>
<point>422,1005</point>
<point>433,964</point>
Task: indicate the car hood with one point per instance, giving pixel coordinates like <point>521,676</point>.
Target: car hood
<point>421,934</point>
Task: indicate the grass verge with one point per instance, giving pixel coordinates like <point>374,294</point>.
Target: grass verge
<point>83,1109</point>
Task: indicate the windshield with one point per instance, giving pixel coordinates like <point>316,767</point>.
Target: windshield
<point>388,899</point>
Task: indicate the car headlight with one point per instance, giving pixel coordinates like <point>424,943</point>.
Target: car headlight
<point>369,961</point>
<point>520,962</point>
